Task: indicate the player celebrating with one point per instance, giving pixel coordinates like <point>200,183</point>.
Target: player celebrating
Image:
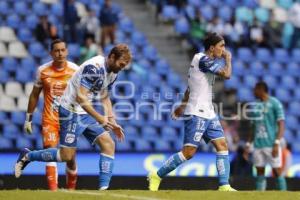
<point>268,129</point>
<point>78,116</point>
<point>52,78</point>
<point>200,118</point>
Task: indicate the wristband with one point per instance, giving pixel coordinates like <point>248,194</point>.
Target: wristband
<point>28,117</point>
<point>277,141</point>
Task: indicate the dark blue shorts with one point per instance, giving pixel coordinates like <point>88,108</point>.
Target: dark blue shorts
<point>196,128</point>
<point>72,125</point>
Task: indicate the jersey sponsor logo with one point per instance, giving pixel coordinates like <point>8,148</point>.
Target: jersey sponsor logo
<point>70,138</point>
<point>198,136</point>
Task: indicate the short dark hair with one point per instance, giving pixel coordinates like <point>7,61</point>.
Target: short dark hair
<point>211,39</point>
<point>263,85</point>
<point>121,50</point>
<point>54,42</point>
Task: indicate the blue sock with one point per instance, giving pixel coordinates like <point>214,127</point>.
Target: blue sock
<point>106,164</point>
<point>281,183</point>
<point>223,167</point>
<point>45,155</point>
<point>261,183</point>
<point>172,163</point>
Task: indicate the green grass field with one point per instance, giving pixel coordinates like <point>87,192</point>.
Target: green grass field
<point>144,195</point>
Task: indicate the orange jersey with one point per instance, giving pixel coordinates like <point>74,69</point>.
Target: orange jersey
<point>53,81</point>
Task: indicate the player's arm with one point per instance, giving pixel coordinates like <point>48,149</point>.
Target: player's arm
<point>108,110</point>
<point>180,109</point>
<point>83,101</point>
<point>226,71</point>
<point>32,103</point>
<point>279,114</point>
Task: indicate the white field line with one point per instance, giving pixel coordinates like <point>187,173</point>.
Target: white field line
<point>135,197</point>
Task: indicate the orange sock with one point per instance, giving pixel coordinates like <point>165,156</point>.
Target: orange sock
<point>51,174</point>
<point>71,178</point>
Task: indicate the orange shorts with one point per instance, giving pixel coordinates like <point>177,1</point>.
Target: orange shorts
<point>50,133</point>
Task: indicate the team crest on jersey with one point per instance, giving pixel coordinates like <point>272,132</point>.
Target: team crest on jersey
<point>70,138</point>
<point>198,136</point>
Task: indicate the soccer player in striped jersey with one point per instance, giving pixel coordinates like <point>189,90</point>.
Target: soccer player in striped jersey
<point>200,119</point>
<point>78,115</point>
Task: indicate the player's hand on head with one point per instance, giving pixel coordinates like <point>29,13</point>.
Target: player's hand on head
<point>28,127</point>
<point>226,54</point>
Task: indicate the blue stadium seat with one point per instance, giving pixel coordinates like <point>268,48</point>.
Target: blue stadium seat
<point>296,55</point>
<point>289,136</point>
<point>250,3</point>
<point>10,131</point>
<point>23,76</point>
<point>4,8</point>
<point>23,142</point>
<point>232,3</point>
<point>281,55</point>
<point>124,146</point>
<point>293,69</point>
<point>292,122</point>
<point>162,67</point>
<point>178,144</point>
<point>155,122</point>
<point>9,64</point>
<point>169,12</point>
<point>20,7</point>
<point>244,14</point>
<point>283,95</point>
<point>36,49</point>
<point>296,146</point>
<point>29,64</point>
<point>38,143</point>
<point>182,26</point>
<point>25,35</point>
<point>149,133</point>
<point>6,143</point>
<point>169,133</point>
<point>286,4</point>
<point>233,82</point>
<point>245,54</point>
<point>144,63</point>
<point>142,145</point>
<point>18,117</point>
<point>225,13</point>
<point>162,145</point>
<point>239,67</point>
<point>250,81</point>
<point>167,93</point>
<point>3,117</point>
<point>271,81</point>
<point>138,39</point>
<point>288,82</point>
<point>131,132</point>
<point>13,21</point>
<point>40,9</point>
<point>215,3</point>
<point>264,55</point>
<point>150,53</point>
<point>31,21</point>
<point>74,50</point>
<point>257,68</point>
<point>297,94</point>
<point>174,80</point>
<point>4,76</point>
<point>194,3</point>
<point>275,69</point>
<point>245,94</point>
<point>57,9</point>
<point>294,108</point>
<point>154,80</point>
<point>175,123</point>
<point>126,25</point>
<point>207,12</point>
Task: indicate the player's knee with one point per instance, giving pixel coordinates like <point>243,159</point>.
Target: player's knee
<point>188,153</point>
<point>67,156</point>
<point>222,145</point>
